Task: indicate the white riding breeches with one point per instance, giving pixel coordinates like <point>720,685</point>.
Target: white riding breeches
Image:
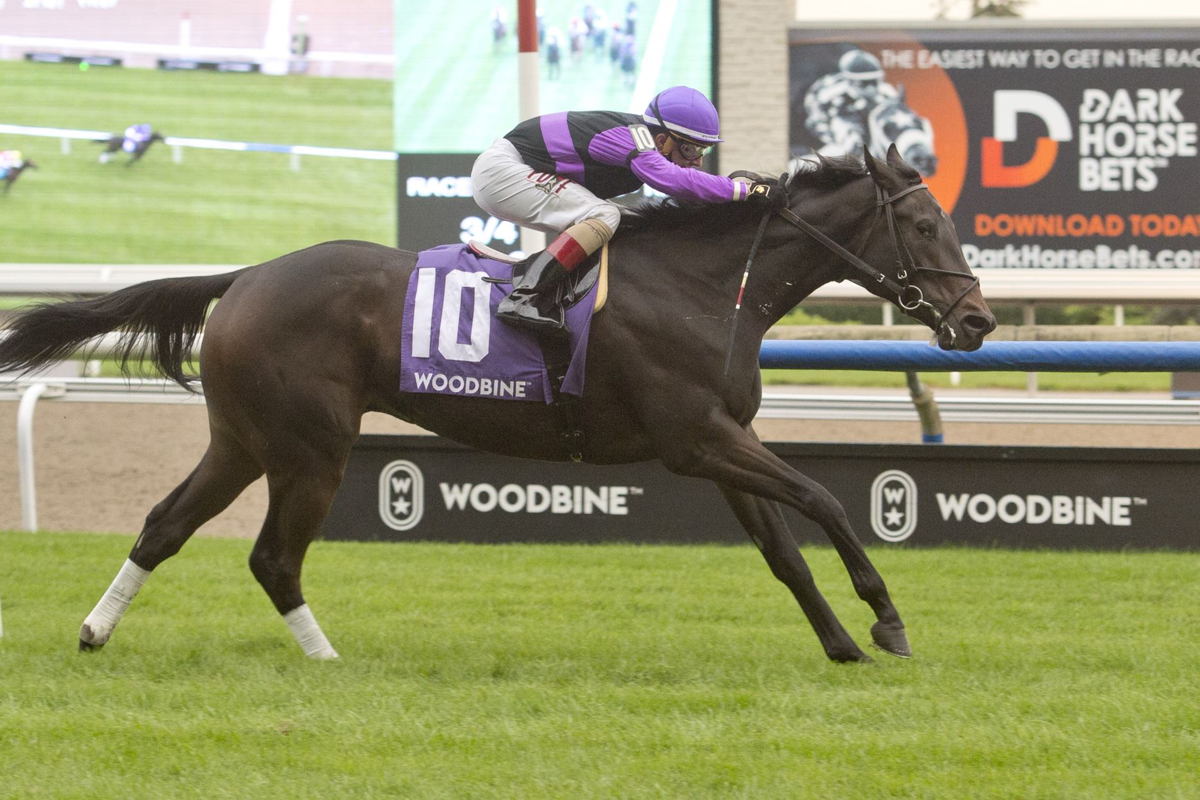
<point>506,187</point>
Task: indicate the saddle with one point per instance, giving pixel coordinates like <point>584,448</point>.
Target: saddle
<point>556,350</point>
<point>592,272</point>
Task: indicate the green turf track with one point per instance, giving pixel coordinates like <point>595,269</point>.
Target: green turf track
<point>216,207</point>
<point>598,672</point>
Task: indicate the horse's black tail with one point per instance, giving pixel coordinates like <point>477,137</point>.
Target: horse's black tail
<point>158,320</point>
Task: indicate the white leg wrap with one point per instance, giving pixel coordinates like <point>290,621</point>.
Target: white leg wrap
<point>112,606</point>
<point>304,627</point>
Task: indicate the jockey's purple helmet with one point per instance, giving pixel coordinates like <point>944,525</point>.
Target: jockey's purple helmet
<point>685,112</point>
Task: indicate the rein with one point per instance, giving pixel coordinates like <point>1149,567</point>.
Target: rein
<point>908,295</point>
<point>758,237</point>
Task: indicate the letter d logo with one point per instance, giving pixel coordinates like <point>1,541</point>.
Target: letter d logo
<point>1006,105</point>
<point>894,505</point>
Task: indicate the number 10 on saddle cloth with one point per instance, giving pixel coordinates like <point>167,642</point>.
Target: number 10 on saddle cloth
<point>453,344</point>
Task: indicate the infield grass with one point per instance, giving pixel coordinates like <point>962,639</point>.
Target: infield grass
<point>214,206</point>
<point>597,671</point>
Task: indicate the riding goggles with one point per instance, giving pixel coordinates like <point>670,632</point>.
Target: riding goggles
<point>691,151</point>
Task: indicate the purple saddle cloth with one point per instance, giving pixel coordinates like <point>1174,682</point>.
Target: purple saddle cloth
<point>453,344</point>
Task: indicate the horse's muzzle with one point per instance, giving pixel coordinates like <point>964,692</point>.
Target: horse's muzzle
<point>966,332</point>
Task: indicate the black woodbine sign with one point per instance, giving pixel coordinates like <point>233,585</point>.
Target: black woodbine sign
<point>423,488</point>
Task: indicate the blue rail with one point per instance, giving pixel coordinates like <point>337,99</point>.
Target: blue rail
<point>912,356</point>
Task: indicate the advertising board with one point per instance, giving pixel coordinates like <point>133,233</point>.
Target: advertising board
<point>1052,148</point>
<point>409,488</point>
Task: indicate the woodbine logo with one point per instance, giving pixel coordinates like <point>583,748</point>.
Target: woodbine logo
<point>401,495</point>
<point>893,505</point>
<point>534,498</point>
<point>894,508</point>
<point>1038,509</point>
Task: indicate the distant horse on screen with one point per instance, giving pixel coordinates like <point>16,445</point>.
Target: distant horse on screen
<point>300,347</point>
<point>9,174</point>
<point>136,149</point>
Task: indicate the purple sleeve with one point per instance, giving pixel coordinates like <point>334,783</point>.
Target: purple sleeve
<point>615,146</point>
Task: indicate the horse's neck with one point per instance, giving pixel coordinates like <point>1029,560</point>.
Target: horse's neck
<point>792,271</point>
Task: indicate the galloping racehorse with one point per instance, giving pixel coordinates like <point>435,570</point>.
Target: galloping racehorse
<point>299,348</point>
<point>893,122</point>
<point>135,147</point>
<point>10,172</point>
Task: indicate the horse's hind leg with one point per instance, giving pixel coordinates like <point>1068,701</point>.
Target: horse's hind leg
<point>224,471</point>
<point>300,496</point>
<point>763,520</point>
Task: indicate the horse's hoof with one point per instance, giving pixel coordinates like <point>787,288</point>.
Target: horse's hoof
<point>891,639</point>
<point>87,643</point>
<point>854,656</point>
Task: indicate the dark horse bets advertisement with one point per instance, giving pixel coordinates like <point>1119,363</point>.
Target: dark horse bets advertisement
<point>1054,148</point>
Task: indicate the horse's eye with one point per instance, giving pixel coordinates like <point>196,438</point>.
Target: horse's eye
<point>927,229</point>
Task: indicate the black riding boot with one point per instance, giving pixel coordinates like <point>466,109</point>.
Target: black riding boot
<point>535,302</point>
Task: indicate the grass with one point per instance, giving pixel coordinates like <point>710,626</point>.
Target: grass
<point>611,671</point>
<point>215,207</point>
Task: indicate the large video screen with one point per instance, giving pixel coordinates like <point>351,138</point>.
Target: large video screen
<point>456,85</point>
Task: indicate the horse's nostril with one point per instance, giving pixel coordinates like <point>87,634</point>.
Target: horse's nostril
<point>979,324</point>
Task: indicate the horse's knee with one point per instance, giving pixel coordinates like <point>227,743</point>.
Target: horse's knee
<point>264,565</point>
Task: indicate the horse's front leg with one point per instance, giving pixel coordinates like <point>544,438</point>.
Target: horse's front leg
<point>764,522</point>
<point>733,457</point>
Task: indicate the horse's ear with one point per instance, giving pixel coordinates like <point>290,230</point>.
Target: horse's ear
<point>893,156</point>
<point>873,166</point>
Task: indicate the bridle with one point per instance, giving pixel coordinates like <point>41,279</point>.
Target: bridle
<point>907,295</point>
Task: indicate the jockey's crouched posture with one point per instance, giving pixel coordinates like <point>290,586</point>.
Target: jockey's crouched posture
<point>556,173</point>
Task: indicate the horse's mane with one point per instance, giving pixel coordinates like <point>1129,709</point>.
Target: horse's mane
<point>824,174</point>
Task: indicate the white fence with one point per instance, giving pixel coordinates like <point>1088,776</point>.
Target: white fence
<point>178,142</point>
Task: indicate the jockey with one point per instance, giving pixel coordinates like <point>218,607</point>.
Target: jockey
<point>136,135</point>
<point>9,160</point>
<point>556,173</point>
<point>838,106</point>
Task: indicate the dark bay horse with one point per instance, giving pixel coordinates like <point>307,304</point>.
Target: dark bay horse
<point>299,348</point>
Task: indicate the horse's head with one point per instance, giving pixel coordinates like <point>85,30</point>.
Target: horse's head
<point>893,122</point>
<point>927,276</point>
